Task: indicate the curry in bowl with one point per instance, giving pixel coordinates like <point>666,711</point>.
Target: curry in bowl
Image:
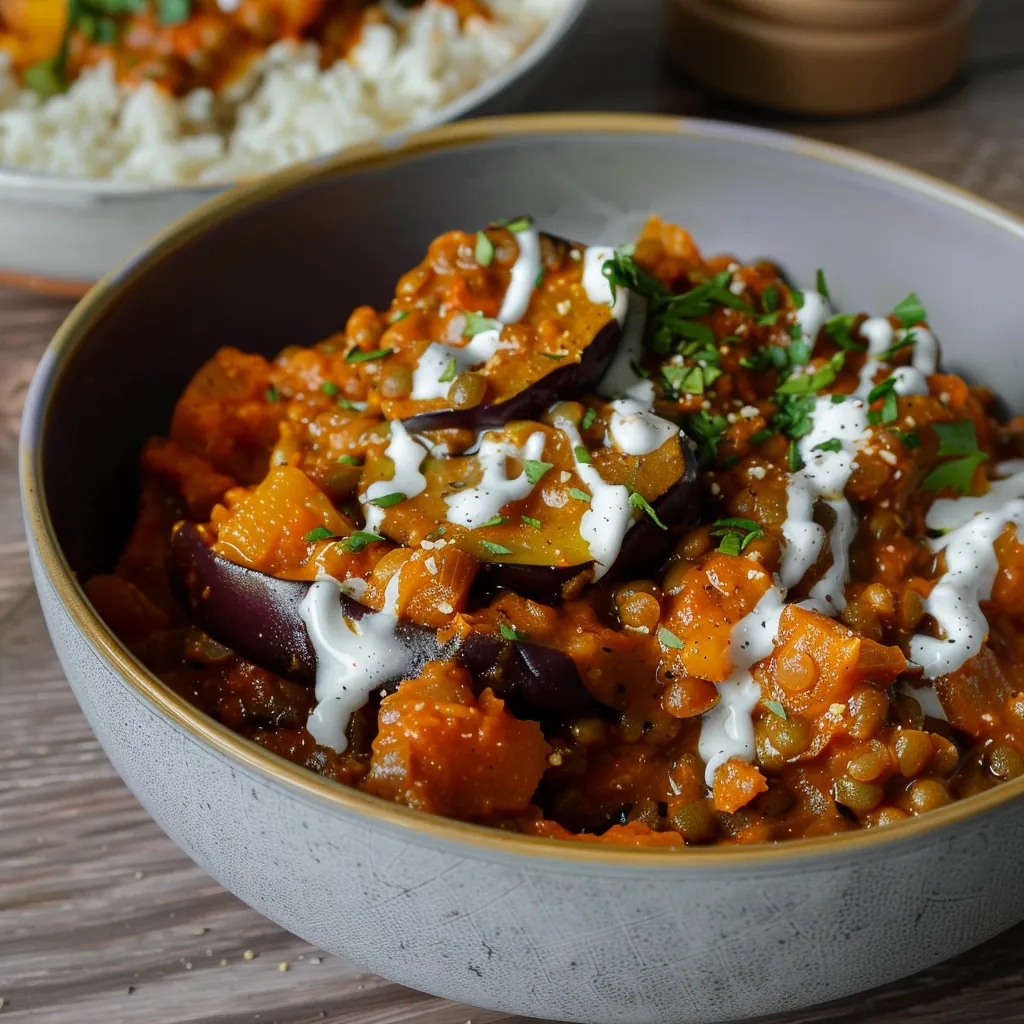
<point>622,545</point>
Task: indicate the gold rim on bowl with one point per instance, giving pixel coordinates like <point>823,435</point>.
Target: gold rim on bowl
<point>300,780</point>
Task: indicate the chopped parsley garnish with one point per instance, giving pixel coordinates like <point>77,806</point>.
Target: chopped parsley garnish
<point>796,462</point>
<point>272,395</point>
<point>760,436</point>
<point>349,460</point>
<point>439,532</point>
<point>355,542</point>
<point>736,533</point>
<point>483,250</point>
<point>588,418</point>
<point>905,342</point>
<point>909,438</point>
<point>822,285</point>
<point>668,639</point>
<point>493,521</point>
<point>554,355</point>
<point>838,399</point>
<point>449,371</point>
<point>795,415</point>
<point>812,383</point>
<point>770,299</point>
<point>832,445</point>
<point>496,549</point>
<point>956,439</point>
<point>579,495</point>
<point>477,323</point>
<point>840,329</point>
<point>637,500</point>
<point>359,356</point>
<point>516,225</point>
<point>170,12</point>
<point>400,315</point>
<point>539,279</point>
<point>706,429</point>
<point>344,403</point>
<point>581,454</point>
<point>387,500</point>
<point>530,521</point>
<point>534,469</point>
<point>320,533</point>
<point>886,393</point>
<point>508,633</point>
<point>329,388</point>
<point>910,311</point>
<point>689,380</point>
<point>797,298</point>
<point>775,708</point>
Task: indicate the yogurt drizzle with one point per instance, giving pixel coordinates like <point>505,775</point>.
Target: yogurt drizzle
<point>407,453</point>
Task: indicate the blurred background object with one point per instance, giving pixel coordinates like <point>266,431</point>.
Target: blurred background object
<point>821,57</point>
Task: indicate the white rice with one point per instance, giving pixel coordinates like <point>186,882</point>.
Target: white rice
<point>287,109</point>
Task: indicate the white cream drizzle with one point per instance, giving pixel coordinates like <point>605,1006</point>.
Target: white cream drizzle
<point>823,478</point>
<point>812,315</point>
<point>433,363</point>
<point>952,513</point>
<point>910,380</point>
<point>524,274</point>
<point>635,430</point>
<point>608,516</point>
<point>727,730</point>
<point>352,658</point>
<point>407,454</point>
<point>600,291</point>
<point>955,601</point>
<point>474,506</point>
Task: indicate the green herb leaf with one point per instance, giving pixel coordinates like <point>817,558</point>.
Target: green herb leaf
<point>173,12</point>
<point>477,323</point>
<point>349,460</point>
<point>516,225</point>
<point>775,708</point>
<point>811,383</point>
<point>320,533</point>
<point>496,549</point>
<point>796,462</point>
<point>358,356</point>
<point>344,403</point>
<point>637,500</point>
<point>329,388</point>
<point>588,419</point>
<point>956,439</point>
<point>493,521</point>
<point>736,533</point>
<point>399,316</point>
<point>272,395</point>
<point>886,393</point>
<point>822,286</point>
<point>840,329</point>
<point>760,436</point>
<point>838,399</point>
<point>581,454</point>
<point>387,500</point>
<point>358,540</point>
<point>484,250</point>
<point>439,532</point>
<point>770,299</point>
<point>797,298</point>
<point>47,77</point>
<point>910,311</point>
<point>534,469</point>
<point>909,438</point>
<point>832,445</point>
<point>539,279</point>
<point>706,429</point>
<point>508,633</point>
<point>530,521</point>
<point>449,372</point>
<point>579,495</point>
<point>668,639</point>
<point>904,342</point>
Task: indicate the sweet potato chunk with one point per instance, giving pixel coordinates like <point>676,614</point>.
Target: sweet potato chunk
<point>442,750</point>
<point>736,784</point>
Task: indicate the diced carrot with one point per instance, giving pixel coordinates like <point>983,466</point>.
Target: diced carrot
<point>736,784</point>
<point>714,595</point>
<point>633,833</point>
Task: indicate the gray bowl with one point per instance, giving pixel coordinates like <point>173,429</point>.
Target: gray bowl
<point>517,924</point>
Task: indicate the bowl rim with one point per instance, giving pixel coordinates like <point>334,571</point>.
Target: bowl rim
<point>40,183</point>
<point>480,840</point>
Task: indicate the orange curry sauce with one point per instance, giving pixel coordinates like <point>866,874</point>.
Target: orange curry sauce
<point>274,455</point>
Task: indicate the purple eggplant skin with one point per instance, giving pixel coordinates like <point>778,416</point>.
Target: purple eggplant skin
<point>257,616</point>
<point>644,548</point>
<point>569,381</point>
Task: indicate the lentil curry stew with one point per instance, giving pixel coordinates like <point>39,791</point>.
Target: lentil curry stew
<point>626,545</point>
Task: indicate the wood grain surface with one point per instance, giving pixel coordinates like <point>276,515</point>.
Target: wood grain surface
<point>103,920</point>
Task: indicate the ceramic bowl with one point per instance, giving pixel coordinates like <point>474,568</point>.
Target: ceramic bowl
<point>61,235</point>
<point>517,924</point>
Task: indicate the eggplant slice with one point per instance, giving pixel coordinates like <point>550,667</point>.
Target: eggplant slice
<point>257,616</point>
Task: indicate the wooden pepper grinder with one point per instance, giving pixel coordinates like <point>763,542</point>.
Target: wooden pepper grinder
<point>821,57</point>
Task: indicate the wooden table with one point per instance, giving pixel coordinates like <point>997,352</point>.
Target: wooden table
<point>103,920</point>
